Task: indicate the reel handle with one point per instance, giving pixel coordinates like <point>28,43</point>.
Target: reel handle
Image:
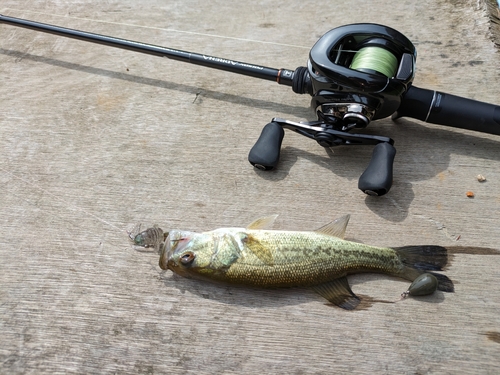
<point>265,154</point>
<point>376,180</point>
<point>450,110</point>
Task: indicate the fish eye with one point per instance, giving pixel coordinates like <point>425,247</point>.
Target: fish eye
<point>187,258</point>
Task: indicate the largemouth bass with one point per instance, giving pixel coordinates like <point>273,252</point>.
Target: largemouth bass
<point>319,259</point>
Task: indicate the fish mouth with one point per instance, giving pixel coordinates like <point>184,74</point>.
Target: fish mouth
<point>165,253</point>
<point>175,243</point>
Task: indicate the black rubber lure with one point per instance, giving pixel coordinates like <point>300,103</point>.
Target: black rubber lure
<point>423,285</point>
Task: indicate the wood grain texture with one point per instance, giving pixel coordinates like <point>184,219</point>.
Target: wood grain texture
<point>94,140</point>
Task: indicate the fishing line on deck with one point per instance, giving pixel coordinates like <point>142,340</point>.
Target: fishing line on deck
<point>133,231</point>
<point>67,204</point>
<point>164,29</point>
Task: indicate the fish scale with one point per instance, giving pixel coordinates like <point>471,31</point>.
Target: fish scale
<point>307,258</point>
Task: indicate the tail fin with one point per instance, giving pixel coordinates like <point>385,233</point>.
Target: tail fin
<point>444,283</point>
<point>420,259</point>
<point>424,258</point>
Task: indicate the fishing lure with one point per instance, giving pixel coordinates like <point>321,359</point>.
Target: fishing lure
<point>423,285</point>
<point>152,237</point>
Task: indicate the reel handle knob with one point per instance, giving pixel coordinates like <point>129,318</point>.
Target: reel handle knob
<point>377,178</point>
<point>265,154</point>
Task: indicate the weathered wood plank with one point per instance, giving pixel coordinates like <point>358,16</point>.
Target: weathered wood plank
<point>95,140</point>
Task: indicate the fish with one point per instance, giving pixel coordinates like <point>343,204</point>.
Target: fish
<point>320,259</point>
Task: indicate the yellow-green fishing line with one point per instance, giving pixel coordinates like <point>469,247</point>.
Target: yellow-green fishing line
<point>377,59</point>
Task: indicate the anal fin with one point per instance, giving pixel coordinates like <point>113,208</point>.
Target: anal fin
<point>339,293</point>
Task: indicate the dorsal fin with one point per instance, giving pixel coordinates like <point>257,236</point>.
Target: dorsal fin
<point>335,228</point>
<point>263,222</point>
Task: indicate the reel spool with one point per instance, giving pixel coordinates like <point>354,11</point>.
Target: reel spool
<point>366,64</point>
<point>374,60</point>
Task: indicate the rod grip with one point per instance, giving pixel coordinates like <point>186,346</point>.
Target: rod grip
<point>450,110</point>
<point>265,154</point>
<point>377,178</point>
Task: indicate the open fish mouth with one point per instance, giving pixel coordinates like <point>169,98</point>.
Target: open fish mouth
<point>175,243</point>
<point>165,253</point>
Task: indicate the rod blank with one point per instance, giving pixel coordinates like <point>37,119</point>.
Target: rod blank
<point>282,76</point>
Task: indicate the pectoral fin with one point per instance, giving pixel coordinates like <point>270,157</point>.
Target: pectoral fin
<point>258,249</point>
<point>263,222</point>
<point>335,228</point>
<point>339,293</point>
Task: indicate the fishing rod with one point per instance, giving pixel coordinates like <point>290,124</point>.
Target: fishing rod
<point>355,74</point>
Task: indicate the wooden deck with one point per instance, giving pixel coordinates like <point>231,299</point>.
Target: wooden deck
<point>95,139</point>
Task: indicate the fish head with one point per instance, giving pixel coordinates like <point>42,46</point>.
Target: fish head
<point>186,253</point>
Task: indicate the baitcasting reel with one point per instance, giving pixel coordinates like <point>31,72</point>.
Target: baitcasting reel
<point>355,74</point>
<point>359,73</point>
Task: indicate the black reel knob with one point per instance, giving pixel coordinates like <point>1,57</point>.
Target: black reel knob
<point>265,154</point>
<point>376,180</point>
